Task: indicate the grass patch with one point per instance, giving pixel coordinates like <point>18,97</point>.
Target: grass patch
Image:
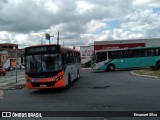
<point>149,72</point>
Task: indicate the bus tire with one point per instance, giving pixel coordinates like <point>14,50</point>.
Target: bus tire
<point>69,81</point>
<point>111,67</point>
<point>157,65</point>
<point>77,75</point>
<point>106,69</point>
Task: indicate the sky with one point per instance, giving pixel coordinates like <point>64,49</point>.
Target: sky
<point>79,22</point>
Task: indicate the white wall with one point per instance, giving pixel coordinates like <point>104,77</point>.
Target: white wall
<point>86,52</point>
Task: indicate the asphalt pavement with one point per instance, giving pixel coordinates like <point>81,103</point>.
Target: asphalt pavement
<point>94,91</point>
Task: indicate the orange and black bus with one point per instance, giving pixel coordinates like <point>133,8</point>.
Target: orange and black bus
<point>51,66</point>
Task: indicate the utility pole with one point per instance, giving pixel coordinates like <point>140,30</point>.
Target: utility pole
<point>16,63</point>
<point>42,39</point>
<point>58,38</point>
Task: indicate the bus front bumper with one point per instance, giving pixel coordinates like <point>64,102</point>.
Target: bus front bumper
<point>45,85</point>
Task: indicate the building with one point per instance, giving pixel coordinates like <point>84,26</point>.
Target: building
<point>8,46</point>
<point>3,57</point>
<point>119,44</point>
<point>11,48</point>
<point>86,52</point>
<point>7,50</point>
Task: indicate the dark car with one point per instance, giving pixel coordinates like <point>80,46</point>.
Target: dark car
<point>2,71</point>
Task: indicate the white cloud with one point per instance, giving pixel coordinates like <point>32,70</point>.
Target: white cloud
<point>95,25</point>
<point>146,3</point>
<point>83,7</point>
<point>80,22</point>
<point>142,23</point>
<point>52,7</point>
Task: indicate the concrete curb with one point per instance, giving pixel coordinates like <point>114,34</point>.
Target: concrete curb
<point>135,74</point>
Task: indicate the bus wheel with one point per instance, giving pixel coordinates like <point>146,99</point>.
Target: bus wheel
<point>69,81</point>
<point>158,65</point>
<point>111,67</point>
<point>106,69</point>
<point>78,75</point>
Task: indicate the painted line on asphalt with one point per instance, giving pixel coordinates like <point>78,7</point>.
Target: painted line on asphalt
<point>11,78</point>
<point>10,82</point>
<point>8,79</point>
<point>14,75</point>
<point>15,79</point>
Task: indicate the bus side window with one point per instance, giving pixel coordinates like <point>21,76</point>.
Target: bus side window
<point>148,52</point>
<point>157,52</point>
<point>63,59</point>
<point>111,55</point>
<point>138,53</point>
<point>152,52</point>
<point>118,54</point>
<point>134,53</point>
<point>125,54</point>
<point>101,56</point>
<point>130,54</point>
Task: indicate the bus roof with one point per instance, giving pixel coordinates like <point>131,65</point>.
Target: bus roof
<point>143,47</point>
<point>67,48</point>
<point>62,46</point>
<point>40,45</point>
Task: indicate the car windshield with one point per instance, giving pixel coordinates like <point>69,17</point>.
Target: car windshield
<point>43,63</point>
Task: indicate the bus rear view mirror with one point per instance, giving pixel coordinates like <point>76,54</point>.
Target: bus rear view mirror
<point>22,60</point>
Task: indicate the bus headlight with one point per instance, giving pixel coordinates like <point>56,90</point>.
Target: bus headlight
<point>59,78</point>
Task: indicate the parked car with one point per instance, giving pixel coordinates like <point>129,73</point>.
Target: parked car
<point>9,68</point>
<point>2,71</point>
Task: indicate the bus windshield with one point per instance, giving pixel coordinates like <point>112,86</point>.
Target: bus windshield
<point>93,57</point>
<point>43,63</point>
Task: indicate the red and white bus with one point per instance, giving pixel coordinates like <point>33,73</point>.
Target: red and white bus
<point>51,66</point>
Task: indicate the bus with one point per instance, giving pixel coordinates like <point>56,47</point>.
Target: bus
<point>51,66</point>
<point>110,60</point>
